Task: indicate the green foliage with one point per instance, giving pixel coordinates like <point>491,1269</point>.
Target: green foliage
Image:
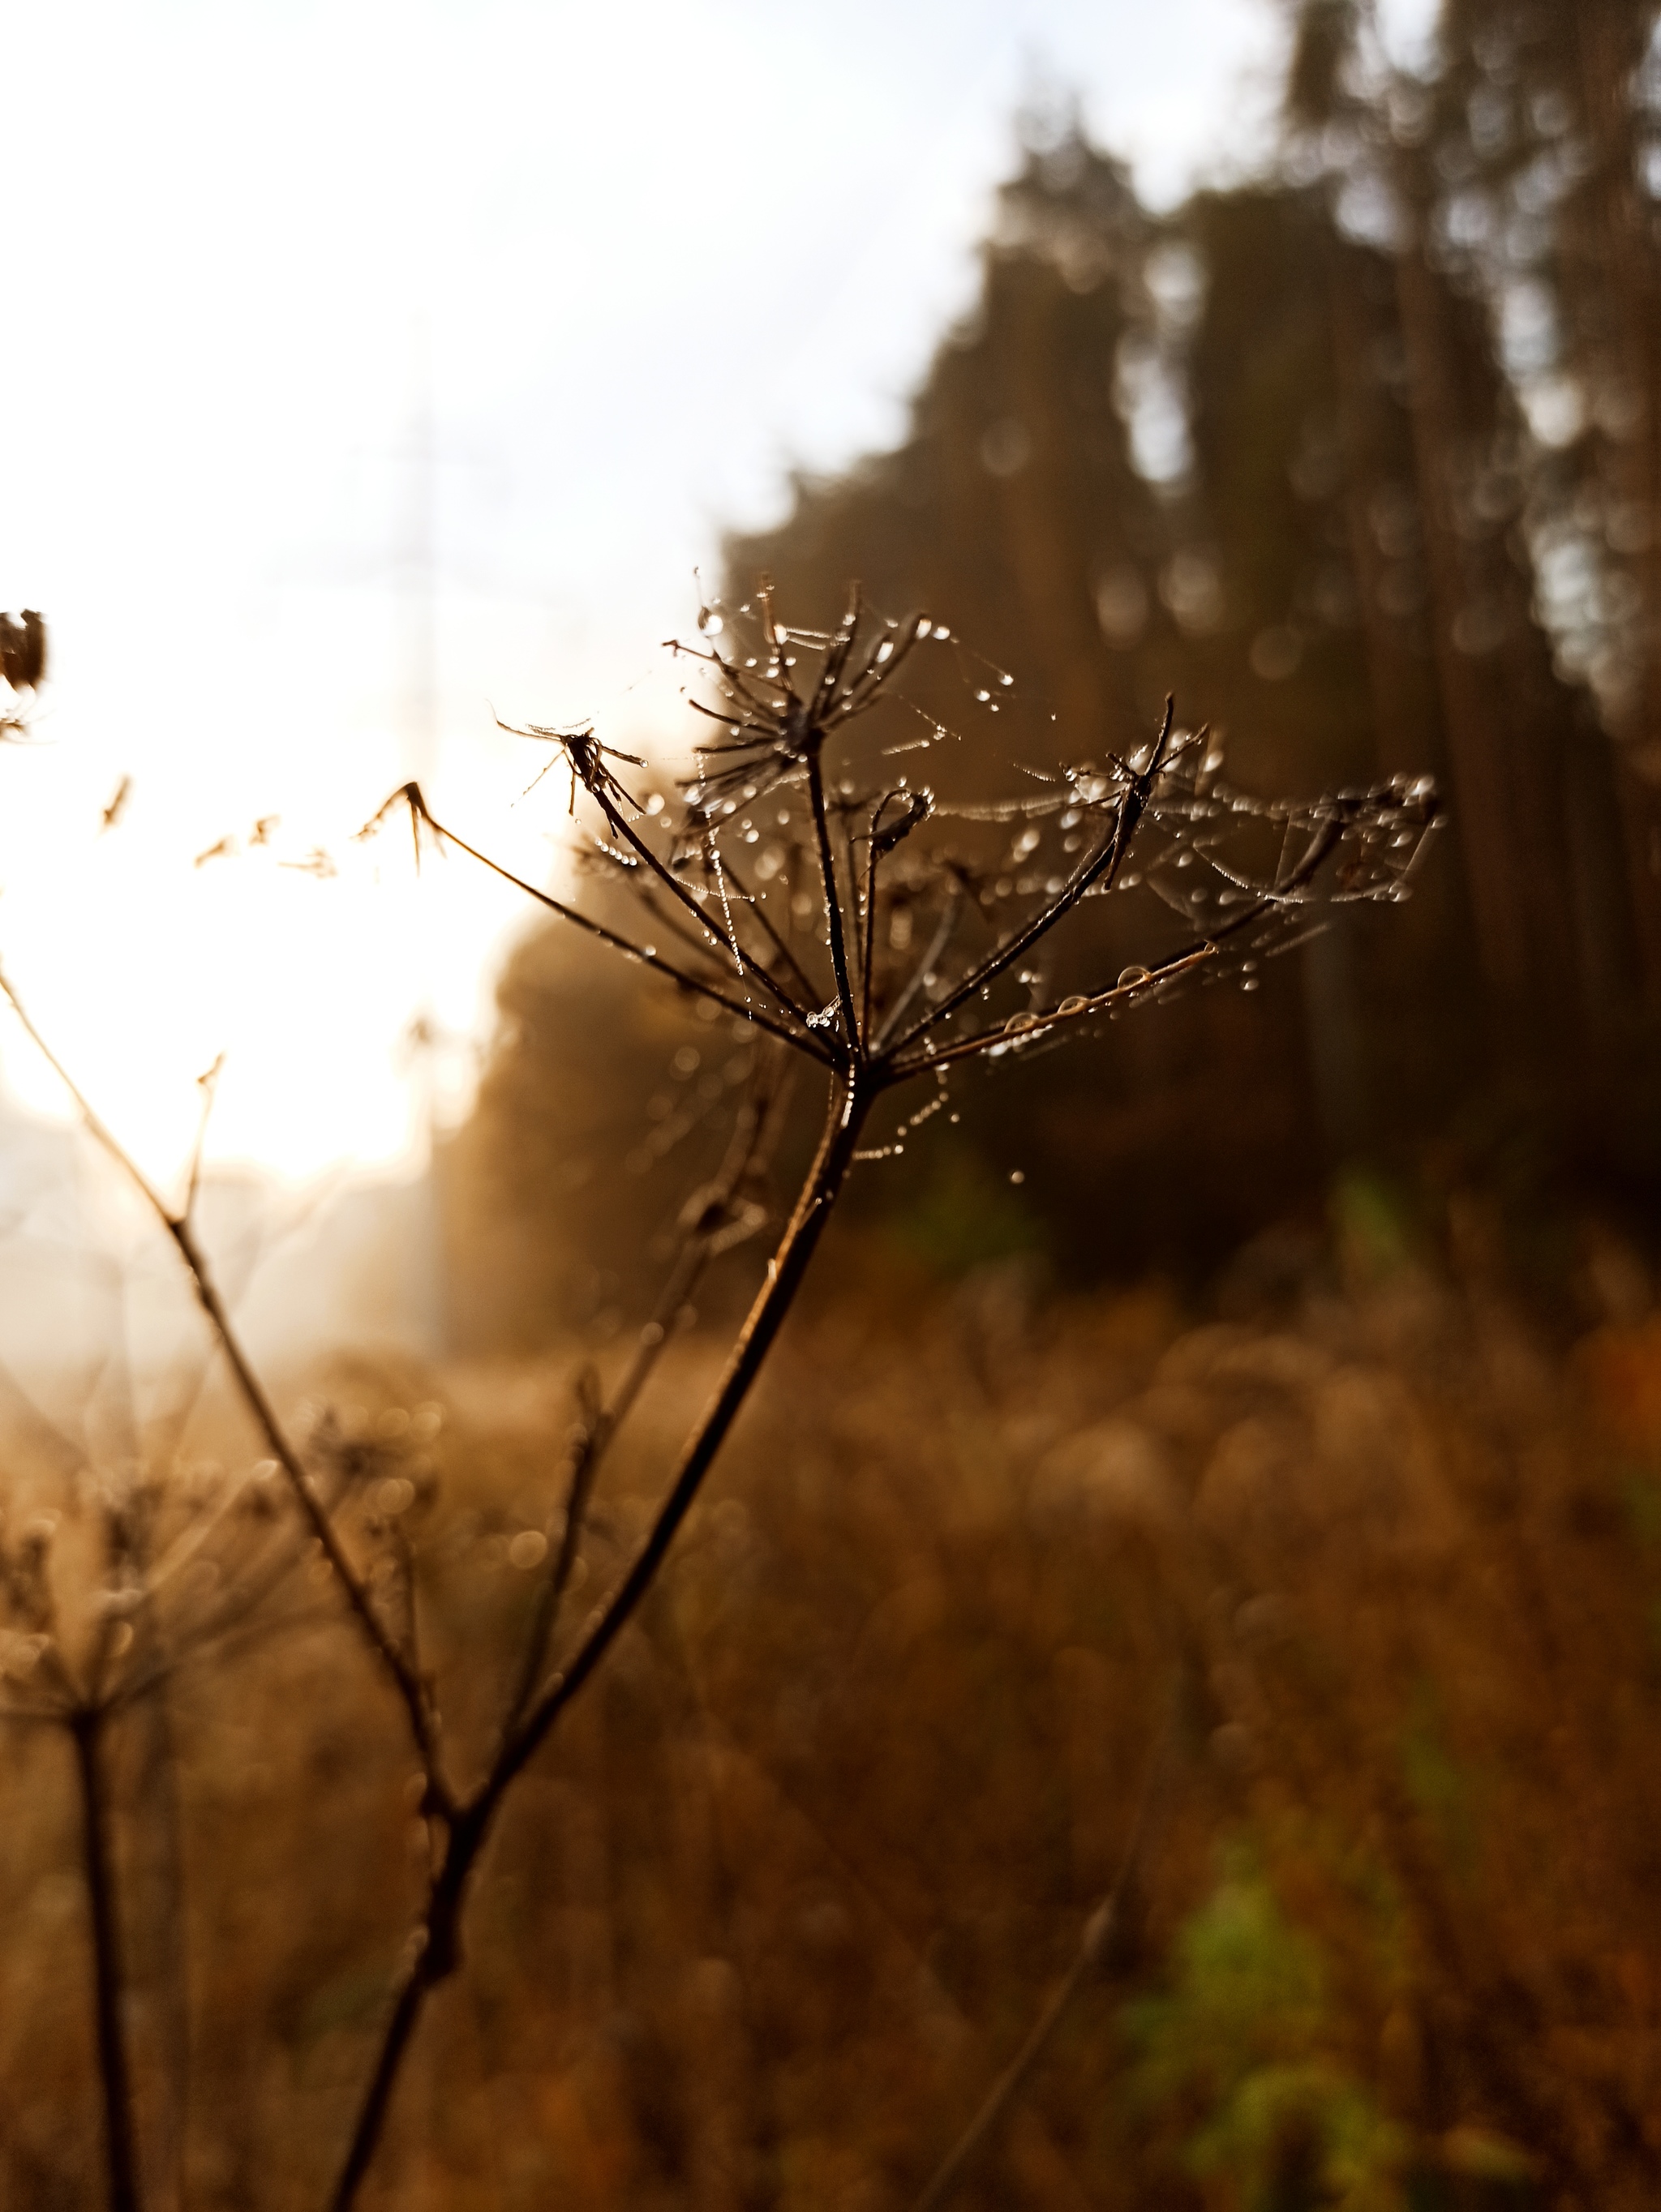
<point>1371,1223</point>
<point>1437,1784</point>
<point>964,1216</point>
<point>1242,2045</point>
<point>1642,1492</point>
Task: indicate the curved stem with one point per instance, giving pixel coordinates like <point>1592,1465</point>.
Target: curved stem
<point>850,1102</point>
<point>809,1044</point>
<point>120,2151</point>
<point>1101,868</point>
<point>710,1231</point>
<point>833,906</point>
<point>406,1679</point>
<point>1103,1931</point>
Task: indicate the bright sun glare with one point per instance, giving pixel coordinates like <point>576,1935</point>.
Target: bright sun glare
<point>374,367</point>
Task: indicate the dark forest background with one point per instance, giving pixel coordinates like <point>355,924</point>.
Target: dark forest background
<point>1360,458</point>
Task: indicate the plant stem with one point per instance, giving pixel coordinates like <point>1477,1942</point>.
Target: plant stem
<point>405,1678</point>
<point>1102,1932</point>
<point>833,907</point>
<point>121,2157</point>
<point>752,1140</point>
<point>850,1102</point>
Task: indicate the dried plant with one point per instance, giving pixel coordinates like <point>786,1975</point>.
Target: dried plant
<point>862,923</point>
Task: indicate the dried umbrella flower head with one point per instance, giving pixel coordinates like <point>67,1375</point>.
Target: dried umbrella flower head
<point>885,932</point>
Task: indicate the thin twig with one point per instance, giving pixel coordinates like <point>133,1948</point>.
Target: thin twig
<point>747,963</point>
<point>437,1950</point>
<point>423,1720</point>
<point>1102,867</point>
<point>832,903</point>
<point>945,929</point>
<point>120,2149</point>
<point>1104,1927</point>
<point>752,900</point>
<point>711,1228</point>
<point>644,953</point>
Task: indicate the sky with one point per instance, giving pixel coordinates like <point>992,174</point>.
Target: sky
<point>374,371</point>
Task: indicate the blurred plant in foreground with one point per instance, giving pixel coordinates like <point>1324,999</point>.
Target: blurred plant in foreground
<point>807,893</point>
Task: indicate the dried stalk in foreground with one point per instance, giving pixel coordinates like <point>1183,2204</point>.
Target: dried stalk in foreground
<point>809,896</point>
<point>1109,1929</point>
<point>878,1018</point>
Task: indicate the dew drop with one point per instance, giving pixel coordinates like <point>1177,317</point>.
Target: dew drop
<point>1075,1005</point>
<point>1129,978</point>
<point>1018,1023</point>
<point>1018,1174</point>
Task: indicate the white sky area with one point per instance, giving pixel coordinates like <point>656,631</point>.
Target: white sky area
<point>628,265</point>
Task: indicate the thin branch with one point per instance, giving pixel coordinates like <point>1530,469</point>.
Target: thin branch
<point>423,1721</point>
<point>868,939</point>
<point>878,843</point>
<point>1101,868</point>
<point>1104,1928</point>
<point>394,2042</point>
<point>832,902</point>
<point>810,1044</point>
<point>848,1108</point>
<point>752,900</point>
<point>710,1229</point>
<point>439,1936</point>
<point>836,659</point>
<point>209,1086</point>
<point>1030,1028</point>
<point>747,963</point>
<point>119,2147</point>
<point>945,930</point>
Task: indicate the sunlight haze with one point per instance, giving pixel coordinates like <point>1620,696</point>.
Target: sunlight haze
<point>612,274</point>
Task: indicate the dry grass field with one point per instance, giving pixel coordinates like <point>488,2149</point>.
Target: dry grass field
<point>1381,1570</point>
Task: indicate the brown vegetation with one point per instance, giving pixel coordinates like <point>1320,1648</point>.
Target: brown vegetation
<point>793,1882</point>
<point>519,1782</point>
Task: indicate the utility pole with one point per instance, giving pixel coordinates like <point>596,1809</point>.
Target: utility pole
<point>416,563</point>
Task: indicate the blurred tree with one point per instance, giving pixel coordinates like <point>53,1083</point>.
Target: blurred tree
<point>1359,458</point>
<point>558,1195</point>
<point>1528,766</point>
<point>1044,502</point>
